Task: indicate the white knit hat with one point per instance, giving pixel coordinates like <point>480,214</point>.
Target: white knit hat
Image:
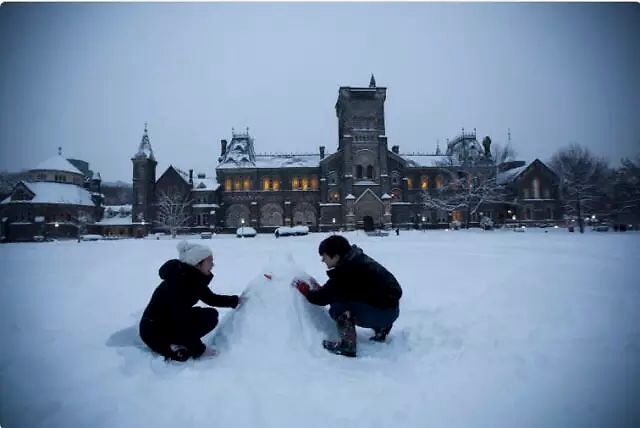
<point>192,254</point>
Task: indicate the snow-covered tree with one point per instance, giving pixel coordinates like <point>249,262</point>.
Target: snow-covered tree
<point>626,187</point>
<point>173,210</point>
<point>582,180</point>
<point>466,192</point>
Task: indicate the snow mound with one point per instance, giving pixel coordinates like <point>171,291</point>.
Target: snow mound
<point>275,320</point>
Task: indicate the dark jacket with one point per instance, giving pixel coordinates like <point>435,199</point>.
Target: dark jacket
<point>182,287</point>
<point>358,278</point>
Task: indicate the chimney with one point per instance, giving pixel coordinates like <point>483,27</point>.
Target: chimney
<point>190,176</point>
<point>395,149</point>
<point>223,147</point>
<point>321,152</point>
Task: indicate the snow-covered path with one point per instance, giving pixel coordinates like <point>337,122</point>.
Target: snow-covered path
<point>496,329</point>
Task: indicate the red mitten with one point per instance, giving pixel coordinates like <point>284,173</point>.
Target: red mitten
<point>303,287</point>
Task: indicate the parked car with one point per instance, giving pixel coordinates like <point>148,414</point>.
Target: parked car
<point>601,228</point>
<point>246,232</point>
<point>301,230</point>
<point>284,231</point>
<point>206,235</point>
<point>90,237</point>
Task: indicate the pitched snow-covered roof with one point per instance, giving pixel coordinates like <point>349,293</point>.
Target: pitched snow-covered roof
<point>511,174</point>
<point>205,184</point>
<point>55,193</point>
<point>144,149</point>
<point>277,161</point>
<point>116,221</point>
<point>418,160</point>
<point>57,163</point>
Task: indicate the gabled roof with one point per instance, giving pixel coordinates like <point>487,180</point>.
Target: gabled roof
<point>514,174</point>
<point>54,193</point>
<point>57,163</point>
<point>370,194</point>
<point>205,184</point>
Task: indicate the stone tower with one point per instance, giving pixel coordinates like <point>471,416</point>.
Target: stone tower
<point>144,180</point>
<point>362,137</point>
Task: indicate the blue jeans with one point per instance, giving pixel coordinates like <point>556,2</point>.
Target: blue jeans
<point>365,315</point>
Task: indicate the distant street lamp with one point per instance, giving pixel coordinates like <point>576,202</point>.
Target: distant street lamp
<point>333,220</point>
<point>212,223</point>
<point>513,217</point>
<point>242,227</point>
<point>424,226</point>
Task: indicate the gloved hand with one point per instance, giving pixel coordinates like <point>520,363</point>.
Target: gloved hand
<point>302,287</point>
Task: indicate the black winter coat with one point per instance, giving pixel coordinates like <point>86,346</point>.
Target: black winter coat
<point>182,287</point>
<point>358,278</point>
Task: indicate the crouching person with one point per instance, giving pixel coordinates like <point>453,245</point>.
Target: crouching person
<point>360,291</point>
<point>170,325</point>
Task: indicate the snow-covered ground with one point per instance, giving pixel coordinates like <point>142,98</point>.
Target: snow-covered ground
<point>496,329</point>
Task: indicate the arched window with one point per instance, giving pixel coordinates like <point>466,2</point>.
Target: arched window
<point>409,183</point>
<point>370,171</point>
<point>424,182</point>
<point>359,171</point>
<point>305,183</point>
<point>314,183</point>
<point>275,184</point>
<point>439,182</point>
<point>246,184</point>
<point>295,183</point>
<point>265,183</point>
<point>237,184</point>
<point>227,184</point>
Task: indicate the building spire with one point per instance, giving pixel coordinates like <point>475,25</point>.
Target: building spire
<point>372,82</point>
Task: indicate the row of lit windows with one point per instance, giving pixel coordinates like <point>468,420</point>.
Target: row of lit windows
<point>424,182</point>
<point>270,184</point>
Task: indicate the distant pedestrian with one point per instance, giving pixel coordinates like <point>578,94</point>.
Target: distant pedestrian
<point>397,231</point>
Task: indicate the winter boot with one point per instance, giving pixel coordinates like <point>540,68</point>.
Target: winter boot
<point>347,331</point>
<point>380,334</point>
<point>178,353</point>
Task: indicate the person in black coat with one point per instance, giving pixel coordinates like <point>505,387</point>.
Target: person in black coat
<point>360,291</point>
<point>170,325</point>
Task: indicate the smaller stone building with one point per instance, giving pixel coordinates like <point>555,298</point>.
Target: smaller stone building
<point>56,200</point>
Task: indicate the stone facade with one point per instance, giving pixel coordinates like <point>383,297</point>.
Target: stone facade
<point>361,185</point>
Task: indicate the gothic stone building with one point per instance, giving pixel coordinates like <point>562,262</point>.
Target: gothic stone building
<point>362,184</point>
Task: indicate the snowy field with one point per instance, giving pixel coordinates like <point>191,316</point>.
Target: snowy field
<point>497,329</point>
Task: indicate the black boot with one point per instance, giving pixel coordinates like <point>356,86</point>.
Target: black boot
<point>380,334</point>
<point>347,331</point>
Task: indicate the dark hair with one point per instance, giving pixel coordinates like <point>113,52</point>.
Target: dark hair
<point>334,245</point>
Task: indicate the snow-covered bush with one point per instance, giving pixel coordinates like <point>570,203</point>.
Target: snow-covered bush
<point>455,225</point>
<point>486,223</point>
<point>301,230</point>
<point>246,231</point>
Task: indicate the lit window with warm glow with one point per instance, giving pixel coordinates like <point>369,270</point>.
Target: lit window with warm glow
<point>409,183</point>
<point>295,184</point>
<point>335,196</point>
<point>265,183</point>
<point>314,183</point>
<point>246,184</point>
<point>275,184</point>
<point>237,184</point>
<point>305,183</point>
<point>227,184</point>
<point>439,182</point>
<point>423,182</point>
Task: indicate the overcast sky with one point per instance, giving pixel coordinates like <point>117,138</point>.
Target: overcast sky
<point>88,76</point>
